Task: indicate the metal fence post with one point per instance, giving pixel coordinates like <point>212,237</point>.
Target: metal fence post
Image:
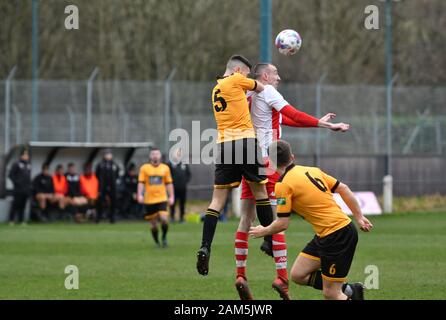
<point>167,106</point>
<point>8,107</point>
<point>90,102</point>
<point>438,134</point>
<point>125,120</point>
<point>376,145</point>
<point>388,193</point>
<point>18,125</point>
<point>318,115</point>
<point>35,71</point>
<point>389,103</point>
<point>126,127</point>
<point>72,124</point>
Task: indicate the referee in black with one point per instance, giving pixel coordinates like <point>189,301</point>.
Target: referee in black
<point>107,172</point>
<point>20,176</point>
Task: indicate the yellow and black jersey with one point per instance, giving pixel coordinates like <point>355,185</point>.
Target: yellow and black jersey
<point>155,180</point>
<point>308,191</point>
<point>231,109</point>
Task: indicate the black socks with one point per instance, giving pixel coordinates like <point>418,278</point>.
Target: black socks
<point>209,226</point>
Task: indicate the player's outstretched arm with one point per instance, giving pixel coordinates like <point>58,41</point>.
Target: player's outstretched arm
<point>295,118</point>
<point>279,225</point>
<point>350,200</point>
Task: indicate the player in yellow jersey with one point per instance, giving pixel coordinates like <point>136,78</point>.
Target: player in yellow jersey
<point>154,191</point>
<point>307,191</point>
<point>238,154</point>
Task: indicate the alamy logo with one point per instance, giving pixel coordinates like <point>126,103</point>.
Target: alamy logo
<point>72,20</point>
<point>371,21</point>
<point>372,279</point>
<point>72,280</point>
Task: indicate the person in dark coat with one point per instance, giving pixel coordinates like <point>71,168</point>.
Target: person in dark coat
<point>107,172</point>
<point>181,177</point>
<point>75,199</point>
<point>20,175</point>
<point>130,203</point>
<point>43,192</point>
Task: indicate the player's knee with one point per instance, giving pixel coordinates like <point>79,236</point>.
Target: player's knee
<point>164,220</point>
<point>261,193</point>
<point>258,190</point>
<point>299,278</point>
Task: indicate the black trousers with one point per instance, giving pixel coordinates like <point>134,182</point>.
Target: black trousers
<point>106,197</point>
<point>180,197</point>
<point>130,206</point>
<point>18,207</point>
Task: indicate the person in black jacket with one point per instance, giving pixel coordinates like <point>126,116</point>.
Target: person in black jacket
<point>130,203</point>
<point>76,201</point>
<point>43,192</point>
<point>20,175</point>
<point>107,172</point>
<point>181,176</point>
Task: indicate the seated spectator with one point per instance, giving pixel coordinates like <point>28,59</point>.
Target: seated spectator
<point>43,192</point>
<point>89,187</point>
<point>60,187</point>
<point>75,199</point>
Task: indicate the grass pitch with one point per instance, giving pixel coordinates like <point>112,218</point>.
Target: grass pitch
<point>121,262</point>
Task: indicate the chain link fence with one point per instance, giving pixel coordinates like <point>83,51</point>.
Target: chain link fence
<point>135,111</point>
<point>128,111</point>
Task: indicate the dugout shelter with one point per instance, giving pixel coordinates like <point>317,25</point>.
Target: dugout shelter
<point>53,153</point>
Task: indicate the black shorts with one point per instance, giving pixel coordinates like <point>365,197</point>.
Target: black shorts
<point>151,210</point>
<point>335,252</point>
<point>237,159</point>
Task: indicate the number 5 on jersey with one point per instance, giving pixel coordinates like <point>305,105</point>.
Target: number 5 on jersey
<point>219,100</point>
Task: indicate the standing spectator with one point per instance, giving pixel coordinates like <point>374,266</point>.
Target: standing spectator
<point>107,172</point>
<point>181,177</point>
<point>75,199</point>
<point>60,187</point>
<point>43,192</point>
<point>20,176</point>
<point>130,203</point>
<point>89,187</point>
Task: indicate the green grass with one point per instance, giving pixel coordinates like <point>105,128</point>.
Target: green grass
<point>120,261</point>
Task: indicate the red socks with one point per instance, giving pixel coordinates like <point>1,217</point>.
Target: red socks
<point>280,255</point>
<point>279,251</point>
<point>241,252</point>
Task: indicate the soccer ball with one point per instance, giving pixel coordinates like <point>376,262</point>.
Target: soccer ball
<point>288,42</point>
